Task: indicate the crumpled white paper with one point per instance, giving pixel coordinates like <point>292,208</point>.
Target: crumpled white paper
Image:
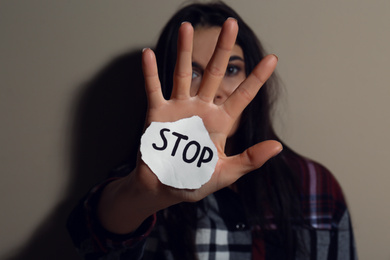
<point>181,154</point>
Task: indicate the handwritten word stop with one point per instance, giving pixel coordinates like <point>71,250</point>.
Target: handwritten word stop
<point>181,154</point>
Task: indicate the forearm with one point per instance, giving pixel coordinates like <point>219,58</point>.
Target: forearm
<point>125,204</point>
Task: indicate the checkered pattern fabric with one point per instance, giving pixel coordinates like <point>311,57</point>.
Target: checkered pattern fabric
<point>221,236</point>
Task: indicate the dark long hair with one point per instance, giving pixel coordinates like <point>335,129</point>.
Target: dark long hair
<point>273,186</point>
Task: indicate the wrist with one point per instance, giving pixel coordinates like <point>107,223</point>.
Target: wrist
<point>126,203</point>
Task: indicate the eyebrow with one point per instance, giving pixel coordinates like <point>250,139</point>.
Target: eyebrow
<point>232,58</point>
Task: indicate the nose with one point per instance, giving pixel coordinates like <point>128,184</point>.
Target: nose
<point>222,93</point>
<point>219,97</point>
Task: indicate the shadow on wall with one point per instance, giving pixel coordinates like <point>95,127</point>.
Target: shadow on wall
<point>108,120</point>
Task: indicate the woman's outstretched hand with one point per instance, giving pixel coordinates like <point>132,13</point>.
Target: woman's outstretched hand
<point>140,194</point>
<point>218,119</point>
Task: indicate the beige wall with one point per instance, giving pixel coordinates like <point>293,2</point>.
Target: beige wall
<point>334,62</point>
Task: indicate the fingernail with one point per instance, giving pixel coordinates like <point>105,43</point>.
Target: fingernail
<point>185,22</point>
<point>144,49</point>
<point>232,18</point>
<point>280,149</point>
<point>277,58</point>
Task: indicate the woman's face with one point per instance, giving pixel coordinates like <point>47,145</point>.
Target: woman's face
<point>205,40</point>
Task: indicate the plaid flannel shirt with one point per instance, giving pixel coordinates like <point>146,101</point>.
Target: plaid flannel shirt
<point>222,233</point>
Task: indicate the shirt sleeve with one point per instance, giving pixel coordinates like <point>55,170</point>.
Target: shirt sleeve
<point>342,245</point>
<point>94,242</point>
<point>326,210</point>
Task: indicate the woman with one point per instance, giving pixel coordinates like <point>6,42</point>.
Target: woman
<point>258,204</point>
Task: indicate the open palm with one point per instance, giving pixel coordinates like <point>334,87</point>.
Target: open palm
<point>218,119</point>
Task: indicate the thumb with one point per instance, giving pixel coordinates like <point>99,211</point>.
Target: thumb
<point>252,158</point>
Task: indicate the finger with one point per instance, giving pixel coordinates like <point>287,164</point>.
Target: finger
<point>248,89</point>
<point>183,70</point>
<point>249,160</point>
<point>152,82</point>
<point>216,68</point>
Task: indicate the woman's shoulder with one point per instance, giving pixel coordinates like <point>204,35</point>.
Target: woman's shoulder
<point>323,201</point>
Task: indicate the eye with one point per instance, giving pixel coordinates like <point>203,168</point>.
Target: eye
<point>196,74</point>
<point>232,70</point>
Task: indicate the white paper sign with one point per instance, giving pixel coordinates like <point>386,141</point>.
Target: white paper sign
<point>180,153</point>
